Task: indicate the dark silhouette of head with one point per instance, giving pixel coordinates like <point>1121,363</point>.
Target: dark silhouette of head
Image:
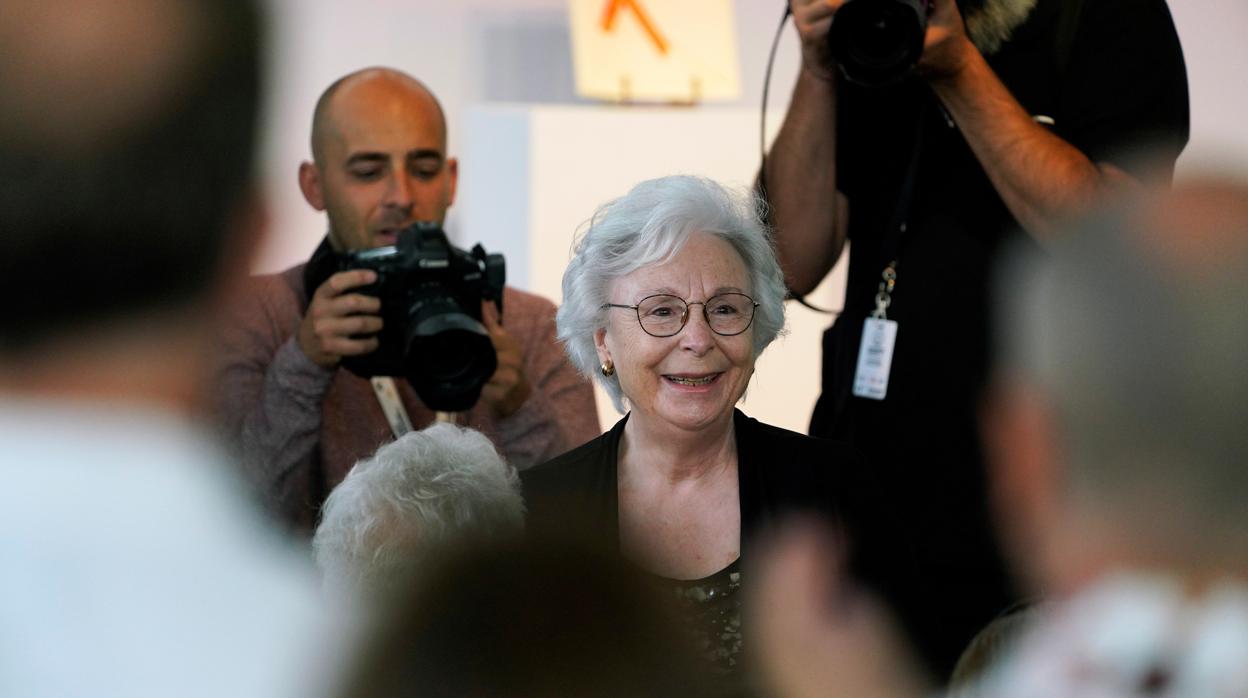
<point>126,157</point>
<point>543,618</point>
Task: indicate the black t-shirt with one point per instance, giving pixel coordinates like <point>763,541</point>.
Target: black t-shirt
<point>1121,84</point>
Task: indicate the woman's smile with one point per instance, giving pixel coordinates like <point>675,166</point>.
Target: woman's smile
<point>686,380</point>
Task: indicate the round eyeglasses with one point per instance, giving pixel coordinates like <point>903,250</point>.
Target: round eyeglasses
<point>663,315</point>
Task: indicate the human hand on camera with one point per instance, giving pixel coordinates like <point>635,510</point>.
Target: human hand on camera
<point>508,388</point>
<point>946,44</point>
<point>813,18</point>
<point>336,318</point>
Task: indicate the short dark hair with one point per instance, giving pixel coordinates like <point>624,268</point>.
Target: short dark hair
<point>134,220</point>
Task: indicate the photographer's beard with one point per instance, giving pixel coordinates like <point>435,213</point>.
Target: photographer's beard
<point>990,23</point>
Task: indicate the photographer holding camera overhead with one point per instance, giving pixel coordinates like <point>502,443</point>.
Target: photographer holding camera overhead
<point>930,133</point>
<point>388,327</point>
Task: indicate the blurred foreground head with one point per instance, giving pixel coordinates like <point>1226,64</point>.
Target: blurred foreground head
<point>1120,433</point>
<point>126,143</point>
<point>540,618</point>
<point>429,490</point>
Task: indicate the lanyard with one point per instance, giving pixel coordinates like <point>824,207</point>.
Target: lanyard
<point>895,233</point>
<point>391,405</point>
<point>388,397</point>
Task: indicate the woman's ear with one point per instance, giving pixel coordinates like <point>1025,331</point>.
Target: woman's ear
<point>600,344</point>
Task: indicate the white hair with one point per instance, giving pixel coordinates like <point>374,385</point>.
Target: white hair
<point>647,226</point>
<point>415,495</point>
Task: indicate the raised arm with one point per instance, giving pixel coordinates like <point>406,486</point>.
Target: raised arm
<point>799,176</point>
<point>1040,177</point>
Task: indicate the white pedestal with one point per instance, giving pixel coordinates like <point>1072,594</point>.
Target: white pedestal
<point>531,175</point>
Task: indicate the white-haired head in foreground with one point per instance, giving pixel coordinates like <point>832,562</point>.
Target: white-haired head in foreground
<point>425,490</point>
<point>646,227</point>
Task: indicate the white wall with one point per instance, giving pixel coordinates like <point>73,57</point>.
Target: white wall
<point>1214,34</point>
<point>481,51</point>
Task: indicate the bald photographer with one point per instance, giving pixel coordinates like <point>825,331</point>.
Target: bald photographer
<point>388,326</point>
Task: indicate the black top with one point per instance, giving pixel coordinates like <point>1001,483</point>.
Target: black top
<point>779,473</point>
<point>712,607</point>
<point>1121,84</point>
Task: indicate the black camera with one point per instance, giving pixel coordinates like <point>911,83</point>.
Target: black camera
<point>432,332</point>
<point>878,42</point>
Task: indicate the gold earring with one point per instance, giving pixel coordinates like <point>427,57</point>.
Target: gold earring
<point>608,368</point>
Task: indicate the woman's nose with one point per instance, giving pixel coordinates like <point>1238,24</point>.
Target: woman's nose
<point>697,335</point>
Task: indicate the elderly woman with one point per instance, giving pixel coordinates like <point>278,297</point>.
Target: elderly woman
<point>672,293</point>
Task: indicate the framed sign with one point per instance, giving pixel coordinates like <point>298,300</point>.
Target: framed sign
<point>655,50</point>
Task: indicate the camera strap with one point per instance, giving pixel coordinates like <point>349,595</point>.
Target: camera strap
<point>879,334</point>
<point>388,396</point>
<point>392,406</point>
<point>320,266</point>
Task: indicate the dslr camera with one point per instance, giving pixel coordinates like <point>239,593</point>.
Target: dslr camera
<point>432,332</point>
<point>878,42</point>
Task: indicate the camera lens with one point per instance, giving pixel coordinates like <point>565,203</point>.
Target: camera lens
<point>882,42</point>
<point>877,42</point>
<point>448,354</point>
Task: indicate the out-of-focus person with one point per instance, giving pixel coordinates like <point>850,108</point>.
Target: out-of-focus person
<point>1016,114</point>
<point>301,419</point>
<point>417,496</point>
<point>993,643</point>
<point>1118,437</point>
<point>672,293</point>
<point>134,561</point>
<point>1118,447</point>
<point>540,618</point>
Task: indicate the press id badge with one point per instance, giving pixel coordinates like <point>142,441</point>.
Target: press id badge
<point>875,358</point>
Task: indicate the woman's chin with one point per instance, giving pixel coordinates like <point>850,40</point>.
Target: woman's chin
<point>691,407</point>
<point>694,415</point>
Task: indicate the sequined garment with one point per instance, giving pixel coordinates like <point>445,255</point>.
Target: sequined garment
<point>714,607</point>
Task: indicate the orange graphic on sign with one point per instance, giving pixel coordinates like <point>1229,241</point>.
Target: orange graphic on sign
<point>613,6</point>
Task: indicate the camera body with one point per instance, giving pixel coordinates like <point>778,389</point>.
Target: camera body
<point>432,332</point>
<point>877,42</point>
